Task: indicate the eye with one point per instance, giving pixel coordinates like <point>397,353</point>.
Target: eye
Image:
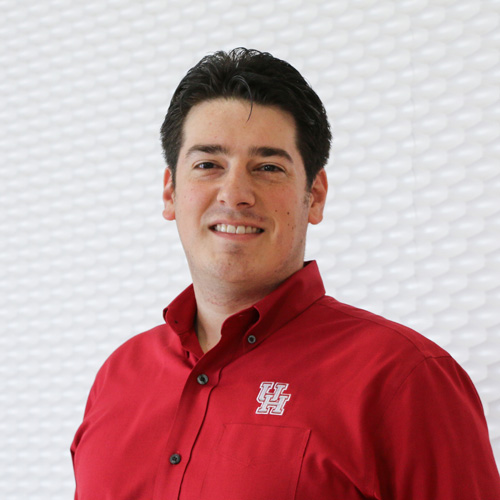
<point>269,167</point>
<point>205,165</point>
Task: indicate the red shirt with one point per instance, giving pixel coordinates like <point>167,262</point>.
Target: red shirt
<point>303,398</point>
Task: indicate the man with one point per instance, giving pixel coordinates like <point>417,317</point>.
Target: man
<point>258,386</point>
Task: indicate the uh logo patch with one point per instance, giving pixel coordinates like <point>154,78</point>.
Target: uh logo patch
<point>272,398</point>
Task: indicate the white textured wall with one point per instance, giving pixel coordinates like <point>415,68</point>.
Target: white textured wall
<point>412,225</point>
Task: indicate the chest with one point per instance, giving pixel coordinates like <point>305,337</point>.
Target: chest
<point>250,429</point>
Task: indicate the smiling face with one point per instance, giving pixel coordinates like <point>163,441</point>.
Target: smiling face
<point>240,198</point>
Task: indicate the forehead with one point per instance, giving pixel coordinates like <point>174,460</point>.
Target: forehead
<point>239,121</point>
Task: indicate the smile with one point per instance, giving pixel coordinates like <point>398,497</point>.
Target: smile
<point>228,228</point>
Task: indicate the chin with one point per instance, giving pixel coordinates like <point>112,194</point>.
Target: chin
<point>235,272</point>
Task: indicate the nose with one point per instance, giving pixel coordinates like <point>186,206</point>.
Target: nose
<point>236,189</point>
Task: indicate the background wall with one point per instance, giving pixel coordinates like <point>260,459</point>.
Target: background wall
<point>412,224</point>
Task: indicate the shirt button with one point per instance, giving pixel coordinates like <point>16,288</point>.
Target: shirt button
<point>202,379</point>
<point>251,339</point>
<point>175,459</point>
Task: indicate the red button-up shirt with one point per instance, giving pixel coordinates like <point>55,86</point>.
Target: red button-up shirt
<point>303,398</point>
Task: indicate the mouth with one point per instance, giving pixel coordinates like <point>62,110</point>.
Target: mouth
<point>229,228</point>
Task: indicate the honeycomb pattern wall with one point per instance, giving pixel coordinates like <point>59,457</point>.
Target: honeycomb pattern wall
<point>412,223</point>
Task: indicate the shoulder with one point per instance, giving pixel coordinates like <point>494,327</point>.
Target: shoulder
<point>372,330</point>
<point>366,349</point>
<point>141,344</point>
<point>139,354</point>
<point>397,365</point>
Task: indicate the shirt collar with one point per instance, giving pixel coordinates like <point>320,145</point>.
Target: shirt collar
<point>292,297</point>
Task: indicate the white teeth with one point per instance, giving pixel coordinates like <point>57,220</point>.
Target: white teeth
<point>228,228</point>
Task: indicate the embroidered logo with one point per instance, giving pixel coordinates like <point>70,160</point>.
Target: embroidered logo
<point>272,399</point>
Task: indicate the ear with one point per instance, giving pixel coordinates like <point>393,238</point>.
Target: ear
<point>168,195</point>
<point>317,200</point>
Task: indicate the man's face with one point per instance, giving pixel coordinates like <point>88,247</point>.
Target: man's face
<point>240,198</point>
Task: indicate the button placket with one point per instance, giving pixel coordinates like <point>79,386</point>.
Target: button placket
<point>189,419</point>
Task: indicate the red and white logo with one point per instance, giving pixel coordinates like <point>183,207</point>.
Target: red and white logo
<point>272,399</point>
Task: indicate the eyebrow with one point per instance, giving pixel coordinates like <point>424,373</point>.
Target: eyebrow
<point>262,151</point>
<point>211,149</point>
<point>266,151</point>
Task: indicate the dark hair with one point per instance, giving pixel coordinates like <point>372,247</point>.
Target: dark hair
<point>259,78</point>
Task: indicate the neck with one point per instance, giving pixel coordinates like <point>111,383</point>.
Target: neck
<point>215,304</point>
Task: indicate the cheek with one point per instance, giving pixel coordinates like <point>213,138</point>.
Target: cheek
<point>293,222</point>
<point>188,201</point>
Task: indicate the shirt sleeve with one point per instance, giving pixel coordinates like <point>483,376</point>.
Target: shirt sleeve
<point>79,433</point>
<point>433,439</point>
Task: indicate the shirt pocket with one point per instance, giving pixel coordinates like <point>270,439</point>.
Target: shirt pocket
<point>256,462</point>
